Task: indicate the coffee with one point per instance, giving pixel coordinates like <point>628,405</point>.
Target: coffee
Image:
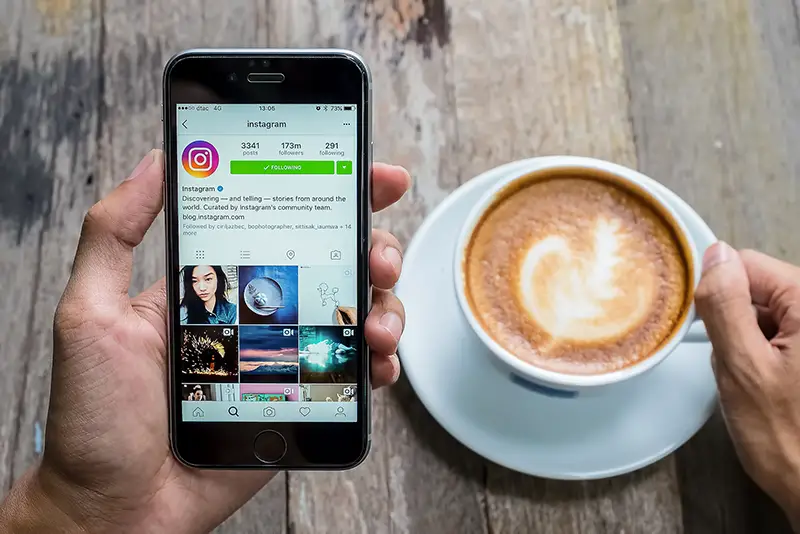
<point>578,273</point>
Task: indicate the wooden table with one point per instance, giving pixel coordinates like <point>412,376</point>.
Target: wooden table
<point>701,95</point>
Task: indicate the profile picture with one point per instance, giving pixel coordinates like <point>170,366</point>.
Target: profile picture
<point>208,294</point>
<point>268,354</point>
<point>328,354</point>
<point>268,294</point>
<point>209,354</point>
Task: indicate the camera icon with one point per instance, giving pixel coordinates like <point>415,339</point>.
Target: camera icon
<point>200,159</point>
<point>287,332</point>
<point>347,332</point>
<point>269,411</point>
<point>227,332</point>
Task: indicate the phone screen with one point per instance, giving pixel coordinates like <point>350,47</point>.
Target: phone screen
<point>268,247</point>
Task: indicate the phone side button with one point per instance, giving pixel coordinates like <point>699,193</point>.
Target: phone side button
<point>269,446</point>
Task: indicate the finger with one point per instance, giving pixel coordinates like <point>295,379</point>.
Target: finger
<point>385,260</point>
<point>775,287</point>
<point>151,305</point>
<point>385,370</point>
<point>113,227</point>
<point>724,303</point>
<point>714,364</point>
<point>385,322</point>
<point>389,184</point>
<point>726,385</point>
<point>766,323</point>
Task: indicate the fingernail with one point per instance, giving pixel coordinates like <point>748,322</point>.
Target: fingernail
<point>392,322</point>
<point>143,165</point>
<point>408,174</point>
<point>716,254</point>
<point>393,256</point>
<point>395,361</point>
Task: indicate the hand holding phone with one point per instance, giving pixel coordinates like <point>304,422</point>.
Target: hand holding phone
<point>107,422</point>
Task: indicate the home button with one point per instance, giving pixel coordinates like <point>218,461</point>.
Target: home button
<point>269,446</point>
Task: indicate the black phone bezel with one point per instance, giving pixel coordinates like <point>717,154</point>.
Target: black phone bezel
<point>310,76</point>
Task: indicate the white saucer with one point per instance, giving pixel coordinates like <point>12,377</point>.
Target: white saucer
<point>617,431</point>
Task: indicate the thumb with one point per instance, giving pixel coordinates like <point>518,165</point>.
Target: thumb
<point>724,303</point>
<point>112,228</point>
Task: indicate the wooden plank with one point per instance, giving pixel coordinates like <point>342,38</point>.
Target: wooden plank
<point>725,151</point>
<point>540,78</point>
<point>416,479</point>
<point>49,99</point>
<point>140,38</point>
<point>715,111</point>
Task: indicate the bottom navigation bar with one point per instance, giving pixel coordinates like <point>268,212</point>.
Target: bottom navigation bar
<point>315,412</point>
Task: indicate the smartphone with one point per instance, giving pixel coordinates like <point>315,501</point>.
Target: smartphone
<point>268,222</point>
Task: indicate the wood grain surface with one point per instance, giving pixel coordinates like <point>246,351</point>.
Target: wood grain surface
<point>702,96</point>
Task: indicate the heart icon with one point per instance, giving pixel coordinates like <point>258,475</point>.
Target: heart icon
<point>305,410</point>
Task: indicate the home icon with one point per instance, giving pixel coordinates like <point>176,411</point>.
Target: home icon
<point>198,412</point>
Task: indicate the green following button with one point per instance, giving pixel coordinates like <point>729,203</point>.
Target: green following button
<point>282,167</point>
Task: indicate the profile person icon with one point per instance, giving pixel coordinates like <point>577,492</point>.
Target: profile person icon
<point>340,411</point>
<point>204,301</point>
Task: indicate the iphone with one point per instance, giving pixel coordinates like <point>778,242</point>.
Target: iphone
<point>267,204</point>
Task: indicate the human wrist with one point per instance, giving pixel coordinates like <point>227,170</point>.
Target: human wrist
<point>31,506</point>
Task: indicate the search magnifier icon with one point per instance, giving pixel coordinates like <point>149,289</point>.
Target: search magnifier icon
<point>233,410</point>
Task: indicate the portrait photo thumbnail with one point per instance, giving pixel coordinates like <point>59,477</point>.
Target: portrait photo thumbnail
<point>268,294</point>
<point>209,354</point>
<point>328,354</point>
<point>208,294</point>
<point>268,354</point>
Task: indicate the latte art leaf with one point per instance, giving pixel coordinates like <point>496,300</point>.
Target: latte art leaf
<point>586,294</point>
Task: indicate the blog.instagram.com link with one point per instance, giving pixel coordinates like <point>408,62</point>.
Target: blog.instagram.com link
<point>212,217</point>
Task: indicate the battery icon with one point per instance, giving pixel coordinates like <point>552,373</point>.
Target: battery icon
<point>348,108</point>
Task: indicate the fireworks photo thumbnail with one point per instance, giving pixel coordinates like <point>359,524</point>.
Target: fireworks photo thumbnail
<point>209,354</point>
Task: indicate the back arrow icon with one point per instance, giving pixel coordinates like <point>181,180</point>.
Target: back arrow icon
<point>184,124</point>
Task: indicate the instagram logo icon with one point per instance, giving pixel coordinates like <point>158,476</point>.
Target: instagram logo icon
<point>200,159</point>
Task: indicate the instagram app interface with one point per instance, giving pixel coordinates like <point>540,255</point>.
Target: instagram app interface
<point>267,215</point>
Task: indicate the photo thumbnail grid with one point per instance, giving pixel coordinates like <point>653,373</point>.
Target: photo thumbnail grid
<point>243,335</point>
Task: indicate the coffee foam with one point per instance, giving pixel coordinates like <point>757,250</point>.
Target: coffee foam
<point>577,275</point>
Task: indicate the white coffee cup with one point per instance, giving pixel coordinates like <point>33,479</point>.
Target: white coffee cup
<point>562,384</point>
